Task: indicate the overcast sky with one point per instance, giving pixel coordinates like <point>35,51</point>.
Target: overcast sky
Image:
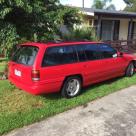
<point>118,3</point>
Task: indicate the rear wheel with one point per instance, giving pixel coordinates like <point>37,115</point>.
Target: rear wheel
<point>71,87</point>
<point>130,70</point>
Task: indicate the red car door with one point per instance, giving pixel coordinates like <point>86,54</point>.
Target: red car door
<point>94,66</point>
<point>114,64</point>
<point>102,62</point>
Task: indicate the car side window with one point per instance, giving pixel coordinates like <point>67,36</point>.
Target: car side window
<point>107,51</point>
<point>59,55</point>
<point>92,52</point>
<point>81,53</point>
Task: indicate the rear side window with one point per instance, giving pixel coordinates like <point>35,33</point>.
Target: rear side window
<point>59,55</point>
<point>25,55</point>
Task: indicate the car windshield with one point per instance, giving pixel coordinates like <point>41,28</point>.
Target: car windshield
<point>25,55</point>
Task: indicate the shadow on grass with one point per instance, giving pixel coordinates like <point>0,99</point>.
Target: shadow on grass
<point>107,82</point>
<point>56,96</point>
<point>52,96</point>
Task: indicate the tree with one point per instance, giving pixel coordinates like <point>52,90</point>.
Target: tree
<point>131,5</point>
<point>102,4</point>
<point>33,20</point>
<point>8,38</point>
<point>71,16</point>
<point>127,2</point>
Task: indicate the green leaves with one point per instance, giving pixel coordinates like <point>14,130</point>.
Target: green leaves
<point>131,5</point>
<point>71,16</point>
<point>8,37</point>
<point>4,12</point>
<point>81,33</point>
<point>32,20</point>
<point>102,4</point>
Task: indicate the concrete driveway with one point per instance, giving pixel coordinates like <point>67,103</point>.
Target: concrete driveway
<point>113,115</point>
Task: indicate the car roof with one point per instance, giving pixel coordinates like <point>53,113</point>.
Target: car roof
<point>48,44</point>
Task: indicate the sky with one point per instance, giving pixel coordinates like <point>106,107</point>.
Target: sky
<point>119,4</point>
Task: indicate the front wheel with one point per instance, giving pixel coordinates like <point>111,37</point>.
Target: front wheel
<point>71,87</point>
<point>130,70</point>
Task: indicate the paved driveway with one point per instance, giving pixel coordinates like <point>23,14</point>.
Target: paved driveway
<point>113,115</point>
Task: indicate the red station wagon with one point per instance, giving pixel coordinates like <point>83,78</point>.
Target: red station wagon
<point>40,68</point>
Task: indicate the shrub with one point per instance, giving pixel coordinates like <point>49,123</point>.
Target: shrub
<point>8,38</point>
<point>80,33</point>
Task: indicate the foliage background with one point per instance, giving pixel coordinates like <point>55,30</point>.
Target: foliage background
<point>102,4</point>
<point>131,5</point>
<point>32,20</point>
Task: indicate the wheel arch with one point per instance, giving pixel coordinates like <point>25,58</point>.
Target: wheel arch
<point>134,62</point>
<point>74,75</point>
<point>63,93</point>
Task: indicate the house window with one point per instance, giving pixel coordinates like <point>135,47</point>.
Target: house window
<point>110,30</point>
<point>106,30</point>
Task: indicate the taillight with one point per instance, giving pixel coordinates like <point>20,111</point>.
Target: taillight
<point>35,75</point>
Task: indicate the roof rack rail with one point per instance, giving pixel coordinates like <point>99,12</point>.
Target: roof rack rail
<point>61,41</point>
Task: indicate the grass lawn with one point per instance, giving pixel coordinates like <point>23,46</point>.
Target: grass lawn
<point>18,108</point>
<point>3,62</point>
<point>2,68</point>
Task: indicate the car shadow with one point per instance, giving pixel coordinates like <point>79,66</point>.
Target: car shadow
<point>56,96</point>
<point>52,96</point>
<point>107,82</point>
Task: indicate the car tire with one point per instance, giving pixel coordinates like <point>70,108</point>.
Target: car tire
<point>71,87</point>
<point>130,70</point>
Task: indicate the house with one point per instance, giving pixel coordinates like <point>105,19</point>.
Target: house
<point>111,25</point>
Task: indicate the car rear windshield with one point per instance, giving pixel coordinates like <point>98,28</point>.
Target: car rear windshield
<point>25,55</point>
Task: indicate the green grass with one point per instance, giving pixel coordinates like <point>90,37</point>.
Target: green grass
<point>2,68</point>
<point>18,108</point>
<point>3,64</point>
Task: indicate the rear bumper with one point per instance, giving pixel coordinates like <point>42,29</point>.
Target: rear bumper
<point>37,88</point>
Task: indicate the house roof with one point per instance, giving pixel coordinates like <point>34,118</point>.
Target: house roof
<point>93,12</point>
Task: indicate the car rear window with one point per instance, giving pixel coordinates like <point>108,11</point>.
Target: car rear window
<point>25,55</point>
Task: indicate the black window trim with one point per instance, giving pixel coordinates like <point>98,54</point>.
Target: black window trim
<point>76,45</point>
<point>91,45</point>
<point>97,44</point>
<point>77,56</point>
